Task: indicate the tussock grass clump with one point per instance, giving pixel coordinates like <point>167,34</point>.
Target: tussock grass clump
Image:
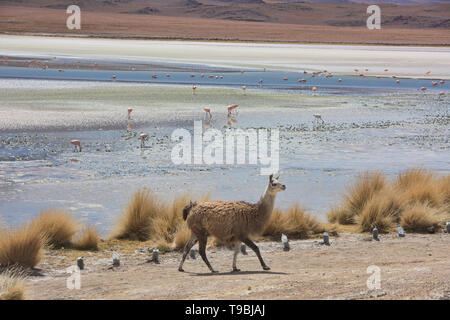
<point>422,217</point>
<point>362,191</point>
<point>373,201</point>
<point>146,218</point>
<point>22,246</point>
<point>294,223</point>
<point>383,210</point>
<point>136,221</point>
<point>58,226</point>
<point>341,215</point>
<point>182,236</point>
<point>12,286</point>
<point>88,239</point>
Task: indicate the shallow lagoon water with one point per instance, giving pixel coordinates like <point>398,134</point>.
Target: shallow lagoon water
<point>389,131</point>
<point>370,124</point>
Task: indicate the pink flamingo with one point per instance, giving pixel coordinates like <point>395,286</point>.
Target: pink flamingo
<point>423,89</point>
<point>386,70</point>
<point>442,82</point>
<point>428,73</point>
<point>340,80</point>
<point>231,108</point>
<point>398,81</point>
<point>76,143</point>
<point>192,75</point>
<point>208,111</point>
<point>129,113</point>
<point>441,94</point>
<point>285,78</point>
<point>194,87</point>
<point>114,77</point>
<point>154,76</point>
<point>318,117</point>
<point>244,88</point>
<point>314,89</point>
<point>143,137</point>
<point>434,83</point>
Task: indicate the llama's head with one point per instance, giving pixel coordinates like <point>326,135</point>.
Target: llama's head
<point>274,185</point>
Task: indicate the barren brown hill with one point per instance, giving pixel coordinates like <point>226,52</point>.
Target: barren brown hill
<point>233,20</point>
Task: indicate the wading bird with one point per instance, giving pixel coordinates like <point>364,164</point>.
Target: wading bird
<point>231,108</point>
<point>208,111</point>
<point>76,144</point>
<point>193,88</point>
<point>318,117</point>
<point>143,137</point>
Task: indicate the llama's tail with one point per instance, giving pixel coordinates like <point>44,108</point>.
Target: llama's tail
<point>188,208</point>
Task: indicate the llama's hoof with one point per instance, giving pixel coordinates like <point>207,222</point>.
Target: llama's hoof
<point>181,269</point>
<point>236,270</point>
<point>266,268</point>
<point>214,271</point>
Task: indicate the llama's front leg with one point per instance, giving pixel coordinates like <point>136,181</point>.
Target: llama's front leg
<point>187,248</point>
<point>255,248</point>
<point>236,252</point>
<point>202,252</point>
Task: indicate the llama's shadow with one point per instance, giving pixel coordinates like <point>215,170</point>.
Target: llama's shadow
<point>207,274</point>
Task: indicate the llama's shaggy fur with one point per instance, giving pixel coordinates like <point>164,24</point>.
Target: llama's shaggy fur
<point>230,222</point>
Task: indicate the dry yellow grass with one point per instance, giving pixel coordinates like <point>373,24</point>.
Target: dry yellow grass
<point>88,239</point>
<point>419,185</point>
<point>147,218</point>
<point>58,226</point>
<point>383,210</point>
<point>182,236</point>
<point>374,201</point>
<point>136,221</point>
<point>22,246</point>
<point>422,217</point>
<point>12,286</point>
<point>294,222</point>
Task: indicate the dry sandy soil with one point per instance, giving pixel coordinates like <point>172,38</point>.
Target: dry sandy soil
<point>415,267</point>
<point>218,20</point>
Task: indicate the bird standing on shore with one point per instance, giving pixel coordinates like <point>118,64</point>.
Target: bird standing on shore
<point>401,232</point>
<point>375,234</point>
<point>285,241</point>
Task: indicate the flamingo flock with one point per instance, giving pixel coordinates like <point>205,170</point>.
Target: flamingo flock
<point>232,109</point>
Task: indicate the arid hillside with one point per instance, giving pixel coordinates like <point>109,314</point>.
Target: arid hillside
<point>233,20</point>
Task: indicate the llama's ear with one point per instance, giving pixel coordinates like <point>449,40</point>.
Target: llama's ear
<point>271,178</point>
<point>278,176</point>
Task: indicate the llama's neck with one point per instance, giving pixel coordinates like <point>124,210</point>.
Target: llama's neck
<point>265,207</point>
<point>267,201</point>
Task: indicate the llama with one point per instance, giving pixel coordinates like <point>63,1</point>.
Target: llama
<point>230,222</point>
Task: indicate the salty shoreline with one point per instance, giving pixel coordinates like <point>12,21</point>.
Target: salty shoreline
<point>402,61</point>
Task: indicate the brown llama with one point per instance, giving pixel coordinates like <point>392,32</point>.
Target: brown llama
<point>230,222</point>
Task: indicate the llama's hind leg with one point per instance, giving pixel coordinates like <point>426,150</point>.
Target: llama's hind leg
<point>202,251</point>
<point>187,248</point>
<point>255,248</point>
<point>236,252</point>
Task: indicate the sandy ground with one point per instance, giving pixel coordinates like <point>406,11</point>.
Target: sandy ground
<point>415,267</point>
<point>337,23</point>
